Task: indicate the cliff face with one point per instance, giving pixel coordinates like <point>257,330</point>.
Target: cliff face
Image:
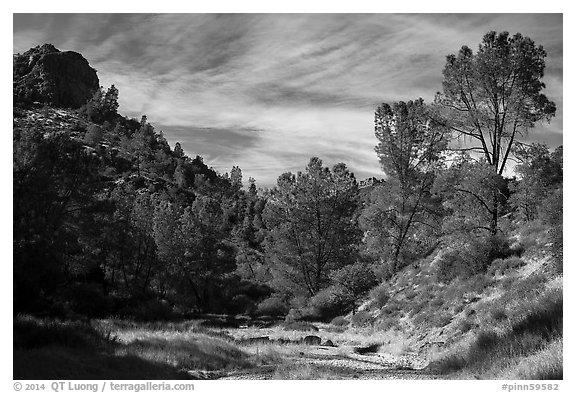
<point>47,75</point>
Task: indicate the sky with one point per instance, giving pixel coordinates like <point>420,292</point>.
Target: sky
<point>268,91</point>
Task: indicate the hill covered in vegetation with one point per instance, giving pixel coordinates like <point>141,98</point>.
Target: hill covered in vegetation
<point>458,262</point>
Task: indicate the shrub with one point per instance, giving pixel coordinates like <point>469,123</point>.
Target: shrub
<point>437,302</point>
<point>93,135</point>
<point>293,315</point>
<point>357,278</point>
<point>440,320</point>
<point>478,283</point>
<point>465,326</point>
<point>89,299</point>
<point>473,258</point>
<point>240,304</point>
<point>362,319</point>
<point>528,287</point>
<point>148,310</point>
<point>556,234</point>
<point>339,321</point>
<point>380,295</point>
<point>301,326</point>
<point>498,314</point>
<point>272,306</point>
<point>453,264</point>
<point>502,266</point>
<point>331,302</point>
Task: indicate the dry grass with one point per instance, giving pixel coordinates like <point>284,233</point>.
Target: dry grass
<point>545,364</point>
<point>306,372</point>
<point>48,349</point>
<point>529,341</point>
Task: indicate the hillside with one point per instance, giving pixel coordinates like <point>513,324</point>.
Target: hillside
<point>504,324</point>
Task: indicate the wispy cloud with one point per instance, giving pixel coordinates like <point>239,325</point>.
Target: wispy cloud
<point>308,83</point>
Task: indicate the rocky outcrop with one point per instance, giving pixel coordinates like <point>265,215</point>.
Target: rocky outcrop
<point>46,75</point>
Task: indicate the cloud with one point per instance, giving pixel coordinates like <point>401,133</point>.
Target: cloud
<point>308,83</point>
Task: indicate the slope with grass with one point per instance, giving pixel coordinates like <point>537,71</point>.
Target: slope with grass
<point>504,323</point>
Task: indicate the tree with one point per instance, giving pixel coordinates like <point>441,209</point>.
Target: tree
<point>467,191</point>
<point>356,280</point>
<point>402,213</point>
<point>236,177</point>
<point>494,97</point>
<point>313,229</point>
<point>103,105</point>
<point>540,174</point>
<point>193,246</point>
<point>178,151</point>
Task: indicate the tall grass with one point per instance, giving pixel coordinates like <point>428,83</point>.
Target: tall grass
<point>51,349</point>
<point>529,336</point>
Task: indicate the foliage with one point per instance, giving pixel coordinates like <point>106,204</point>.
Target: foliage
<point>362,319</point>
<point>331,302</point>
<point>103,106</point>
<point>272,306</point>
<point>474,256</point>
<point>468,189</point>
<point>301,326</point>
<point>502,266</point>
<point>402,217</point>
<point>493,97</point>
<point>380,295</point>
<point>339,321</point>
<point>313,231</point>
<point>356,279</point>
<point>541,173</point>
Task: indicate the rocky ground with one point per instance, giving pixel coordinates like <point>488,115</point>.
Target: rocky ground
<point>341,355</point>
<point>338,363</point>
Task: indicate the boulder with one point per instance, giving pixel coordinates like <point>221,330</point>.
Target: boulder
<point>312,340</point>
<point>368,349</point>
<point>328,343</point>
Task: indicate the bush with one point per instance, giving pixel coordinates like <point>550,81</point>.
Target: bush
<point>94,135</point>
<point>440,320</point>
<point>301,326</point>
<point>331,302</point>
<point>148,310</point>
<point>498,314</point>
<point>451,265</point>
<point>293,315</point>
<point>465,326</point>
<point>502,266</point>
<point>380,295</point>
<point>362,319</point>
<point>89,299</point>
<point>339,321</point>
<point>473,258</point>
<point>556,235</point>
<point>272,306</point>
<point>357,278</point>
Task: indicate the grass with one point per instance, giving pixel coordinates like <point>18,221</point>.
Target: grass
<point>112,349</point>
<point>532,339</point>
<point>306,372</point>
<point>543,365</point>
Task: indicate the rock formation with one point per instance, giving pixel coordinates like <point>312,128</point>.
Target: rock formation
<point>46,75</point>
